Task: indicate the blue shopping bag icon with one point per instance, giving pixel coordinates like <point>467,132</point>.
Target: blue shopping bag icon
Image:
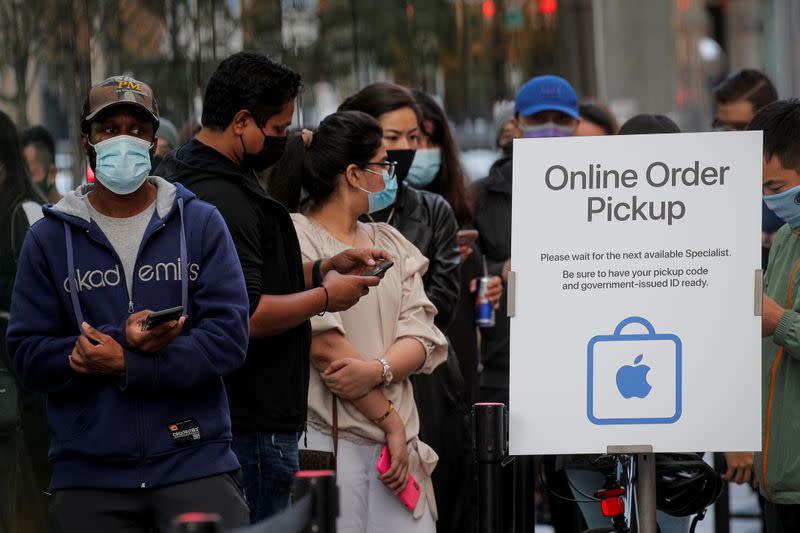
<point>634,378</point>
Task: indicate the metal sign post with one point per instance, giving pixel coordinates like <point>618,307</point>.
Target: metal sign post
<point>644,483</point>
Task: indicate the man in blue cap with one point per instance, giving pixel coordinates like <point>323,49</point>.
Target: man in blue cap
<point>546,106</point>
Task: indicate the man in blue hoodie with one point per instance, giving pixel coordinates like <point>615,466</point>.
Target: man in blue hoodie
<point>140,424</point>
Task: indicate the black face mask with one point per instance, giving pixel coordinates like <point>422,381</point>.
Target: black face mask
<point>403,158</point>
<point>269,155</point>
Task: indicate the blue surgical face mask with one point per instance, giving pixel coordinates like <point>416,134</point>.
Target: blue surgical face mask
<point>548,129</point>
<point>382,199</point>
<point>425,167</point>
<point>122,163</point>
<point>786,205</point>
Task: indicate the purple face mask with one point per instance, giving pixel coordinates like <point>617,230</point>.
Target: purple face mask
<point>548,129</point>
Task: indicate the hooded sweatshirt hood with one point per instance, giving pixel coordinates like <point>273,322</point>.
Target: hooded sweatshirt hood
<point>74,203</point>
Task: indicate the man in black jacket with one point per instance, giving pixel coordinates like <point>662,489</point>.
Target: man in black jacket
<point>546,106</point>
<point>248,105</point>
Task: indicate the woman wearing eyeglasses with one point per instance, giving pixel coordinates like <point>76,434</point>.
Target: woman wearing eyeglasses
<point>363,357</point>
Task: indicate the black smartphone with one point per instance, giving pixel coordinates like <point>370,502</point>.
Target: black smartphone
<point>380,269</point>
<point>162,317</point>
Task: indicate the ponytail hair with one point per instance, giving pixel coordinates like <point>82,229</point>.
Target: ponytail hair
<point>342,139</point>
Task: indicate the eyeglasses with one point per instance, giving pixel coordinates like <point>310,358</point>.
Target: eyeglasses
<point>388,166</point>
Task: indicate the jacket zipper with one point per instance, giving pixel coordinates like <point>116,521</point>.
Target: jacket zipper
<point>139,406</point>
<point>773,373</point>
<point>121,267</point>
<point>140,423</point>
<point>140,410</point>
<point>145,238</point>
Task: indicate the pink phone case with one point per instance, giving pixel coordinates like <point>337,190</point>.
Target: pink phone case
<point>410,495</point>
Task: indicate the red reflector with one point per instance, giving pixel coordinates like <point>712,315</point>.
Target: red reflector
<point>198,518</point>
<point>613,506</point>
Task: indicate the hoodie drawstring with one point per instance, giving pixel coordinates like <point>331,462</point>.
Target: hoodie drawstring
<point>73,285</point>
<point>184,263</point>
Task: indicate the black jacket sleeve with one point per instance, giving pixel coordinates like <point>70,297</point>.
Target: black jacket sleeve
<point>443,280</point>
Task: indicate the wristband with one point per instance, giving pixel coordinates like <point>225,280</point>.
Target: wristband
<point>316,273</point>
<point>389,410</point>
<point>325,310</point>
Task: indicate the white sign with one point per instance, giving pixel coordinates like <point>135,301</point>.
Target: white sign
<point>635,322</point>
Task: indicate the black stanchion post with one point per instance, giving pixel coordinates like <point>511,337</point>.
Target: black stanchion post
<point>490,427</point>
<point>197,523</point>
<point>524,483</point>
<point>325,496</point>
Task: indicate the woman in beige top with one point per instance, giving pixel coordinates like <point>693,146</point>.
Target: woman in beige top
<point>364,356</point>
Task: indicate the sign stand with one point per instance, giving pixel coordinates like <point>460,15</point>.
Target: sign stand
<point>645,470</point>
<point>644,483</point>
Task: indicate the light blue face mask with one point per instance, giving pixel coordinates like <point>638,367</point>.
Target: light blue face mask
<point>425,167</point>
<point>382,199</point>
<point>548,129</point>
<point>122,163</point>
<point>786,205</point>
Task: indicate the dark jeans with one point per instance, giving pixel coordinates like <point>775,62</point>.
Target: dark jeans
<point>788,516</point>
<point>146,510</point>
<point>269,462</point>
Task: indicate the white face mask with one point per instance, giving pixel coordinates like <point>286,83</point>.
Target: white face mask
<point>379,200</point>
<point>122,163</point>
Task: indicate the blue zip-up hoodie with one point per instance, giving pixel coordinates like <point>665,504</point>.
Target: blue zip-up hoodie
<point>133,431</point>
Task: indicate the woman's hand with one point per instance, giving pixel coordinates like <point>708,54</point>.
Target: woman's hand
<point>351,378</point>
<point>396,477</point>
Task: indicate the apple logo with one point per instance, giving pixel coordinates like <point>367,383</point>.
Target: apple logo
<point>632,379</point>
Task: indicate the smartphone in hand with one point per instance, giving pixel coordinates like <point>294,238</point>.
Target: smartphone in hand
<point>380,269</point>
<point>162,317</point>
<point>409,495</point>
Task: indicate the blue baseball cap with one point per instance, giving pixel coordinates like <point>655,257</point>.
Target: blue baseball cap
<point>547,93</point>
